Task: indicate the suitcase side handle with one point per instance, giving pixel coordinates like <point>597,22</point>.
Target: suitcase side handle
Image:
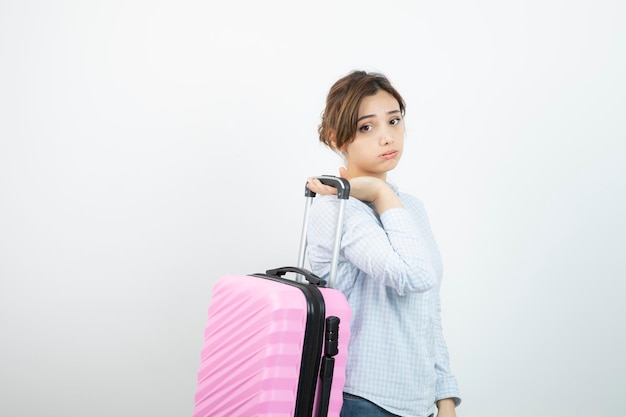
<point>310,276</point>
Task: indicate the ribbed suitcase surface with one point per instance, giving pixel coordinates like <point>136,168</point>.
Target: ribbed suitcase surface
<point>252,356</point>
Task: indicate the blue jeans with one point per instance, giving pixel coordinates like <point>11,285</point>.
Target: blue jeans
<point>354,406</point>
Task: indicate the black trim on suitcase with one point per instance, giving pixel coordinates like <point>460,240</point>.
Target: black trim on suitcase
<point>331,349</point>
<point>312,347</point>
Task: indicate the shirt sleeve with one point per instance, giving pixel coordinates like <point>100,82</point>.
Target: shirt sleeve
<point>386,248</point>
<point>446,385</point>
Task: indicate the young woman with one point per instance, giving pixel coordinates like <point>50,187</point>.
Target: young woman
<point>389,268</point>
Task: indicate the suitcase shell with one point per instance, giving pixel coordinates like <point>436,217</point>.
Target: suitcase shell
<point>253,350</point>
<point>271,347</point>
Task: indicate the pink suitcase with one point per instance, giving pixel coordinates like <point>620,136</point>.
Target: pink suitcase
<point>273,346</point>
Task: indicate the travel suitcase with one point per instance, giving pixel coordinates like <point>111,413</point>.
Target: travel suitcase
<point>276,347</point>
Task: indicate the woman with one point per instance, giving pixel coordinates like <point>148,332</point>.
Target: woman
<point>389,267</point>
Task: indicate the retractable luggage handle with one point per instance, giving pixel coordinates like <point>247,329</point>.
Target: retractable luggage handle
<point>343,193</point>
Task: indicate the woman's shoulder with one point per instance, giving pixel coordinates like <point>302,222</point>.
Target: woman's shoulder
<point>409,198</point>
<point>331,201</point>
<point>355,210</point>
<point>413,204</point>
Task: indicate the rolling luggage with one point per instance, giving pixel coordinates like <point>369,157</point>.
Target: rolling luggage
<point>273,346</point>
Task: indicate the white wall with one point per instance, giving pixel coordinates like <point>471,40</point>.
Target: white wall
<point>149,147</point>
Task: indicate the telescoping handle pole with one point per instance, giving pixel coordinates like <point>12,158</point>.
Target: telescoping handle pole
<point>343,193</point>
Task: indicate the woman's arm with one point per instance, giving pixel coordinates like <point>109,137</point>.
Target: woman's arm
<point>446,408</point>
<point>368,189</point>
<point>446,388</point>
<point>387,248</point>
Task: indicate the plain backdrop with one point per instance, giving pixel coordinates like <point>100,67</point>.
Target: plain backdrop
<point>149,147</point>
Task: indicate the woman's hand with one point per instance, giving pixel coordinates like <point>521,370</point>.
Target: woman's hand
<point>369,189</point>
<point>361,188</point>
<point>317,187</point>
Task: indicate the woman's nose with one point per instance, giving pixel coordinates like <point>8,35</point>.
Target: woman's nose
<point>386,137</point>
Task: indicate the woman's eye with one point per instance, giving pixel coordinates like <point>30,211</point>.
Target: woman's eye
<point>395,121</point>
<point>365,128</point>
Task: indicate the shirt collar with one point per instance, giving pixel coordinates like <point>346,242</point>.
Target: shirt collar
<point>393,186</point>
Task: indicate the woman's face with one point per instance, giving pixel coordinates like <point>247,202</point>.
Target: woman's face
<point>378,143</point>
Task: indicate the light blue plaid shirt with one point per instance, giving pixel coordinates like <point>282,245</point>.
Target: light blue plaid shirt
<point>390,270</point>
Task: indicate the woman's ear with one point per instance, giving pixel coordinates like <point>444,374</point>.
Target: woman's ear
<point>332,136</point>
<point>333,143</point>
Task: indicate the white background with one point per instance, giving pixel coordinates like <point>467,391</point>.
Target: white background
<point>149,147</point>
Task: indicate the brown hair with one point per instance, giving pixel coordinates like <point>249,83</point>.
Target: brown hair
<point>339,119</point>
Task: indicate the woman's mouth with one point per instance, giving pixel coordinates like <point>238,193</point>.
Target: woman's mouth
<point>389,155</point>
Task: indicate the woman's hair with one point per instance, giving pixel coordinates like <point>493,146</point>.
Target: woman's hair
<point>339,119</point>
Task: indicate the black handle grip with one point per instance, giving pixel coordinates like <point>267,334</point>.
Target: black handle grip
<point>341,184</point>
<point>310,276</point>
